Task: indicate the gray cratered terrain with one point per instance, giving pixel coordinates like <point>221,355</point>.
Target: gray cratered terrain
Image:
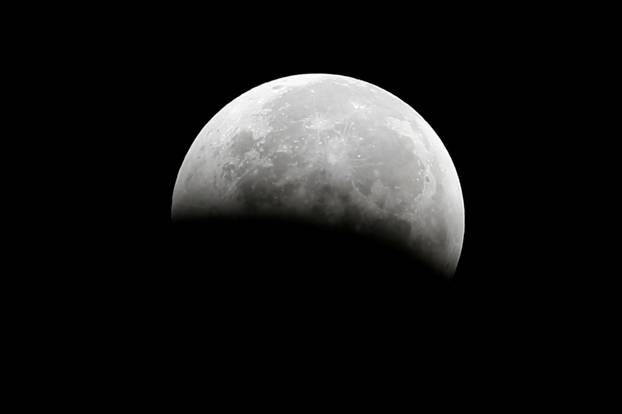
<point>330,150</point>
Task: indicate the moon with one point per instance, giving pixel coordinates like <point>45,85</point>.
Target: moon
<point>330,150</point>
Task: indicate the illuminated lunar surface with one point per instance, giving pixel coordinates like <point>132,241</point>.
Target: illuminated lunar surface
<point>329,150</point>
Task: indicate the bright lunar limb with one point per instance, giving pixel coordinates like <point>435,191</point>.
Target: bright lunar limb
<point>331,150</point>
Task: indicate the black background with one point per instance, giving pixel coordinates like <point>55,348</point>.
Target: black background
<point>227,306</point>
<point>467,83</point>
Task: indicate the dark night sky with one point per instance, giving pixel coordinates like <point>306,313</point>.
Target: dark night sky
<point>251,292</point>
<point>468,83</point>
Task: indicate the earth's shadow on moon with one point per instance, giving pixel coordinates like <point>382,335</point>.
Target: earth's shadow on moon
<point>270,260</point>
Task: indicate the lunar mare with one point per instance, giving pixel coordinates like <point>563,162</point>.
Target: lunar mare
<point>332,150</point>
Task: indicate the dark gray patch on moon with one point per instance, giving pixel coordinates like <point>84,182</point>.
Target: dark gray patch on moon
<point>241,143</point>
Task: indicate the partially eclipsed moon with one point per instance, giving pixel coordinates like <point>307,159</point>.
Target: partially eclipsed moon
<point>331,150</point>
